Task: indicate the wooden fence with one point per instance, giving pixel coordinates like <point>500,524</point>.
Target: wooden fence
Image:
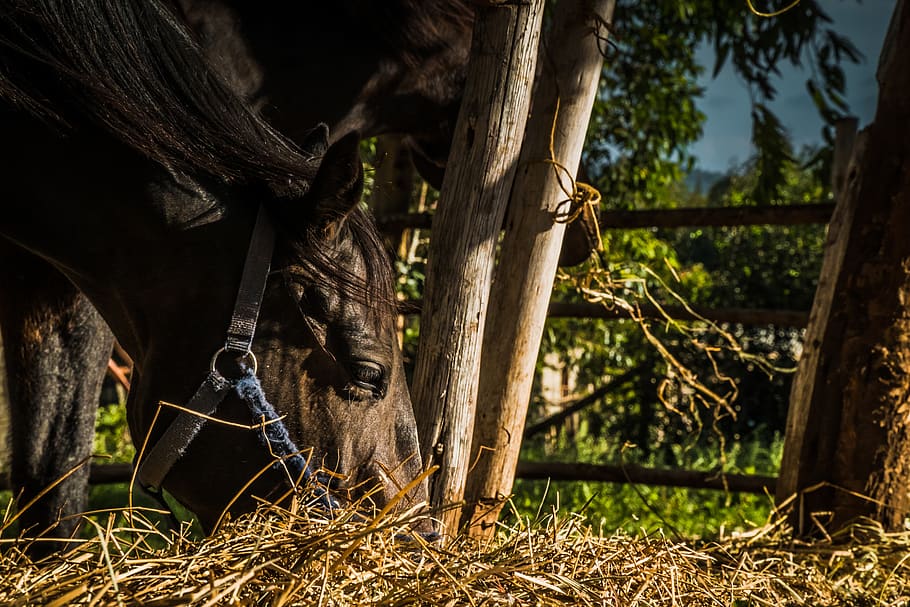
<point>101,474</point>
<point>793,214</point>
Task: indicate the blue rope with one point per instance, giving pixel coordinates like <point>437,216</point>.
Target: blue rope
<point>279,440</point>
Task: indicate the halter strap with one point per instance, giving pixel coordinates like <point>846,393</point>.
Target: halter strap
<point>162,456</point>
<point>252,286</point>
<point>167,451</point>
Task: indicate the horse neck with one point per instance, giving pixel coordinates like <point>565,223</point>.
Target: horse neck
<point>374,78</point>
<point>116,224</point>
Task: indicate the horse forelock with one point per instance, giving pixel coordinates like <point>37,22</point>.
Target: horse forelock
<point>130,67</point>
<point>379,284</point>
<point>370,283</point>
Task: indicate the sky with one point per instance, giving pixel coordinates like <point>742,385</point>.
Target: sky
<point>726,140</point>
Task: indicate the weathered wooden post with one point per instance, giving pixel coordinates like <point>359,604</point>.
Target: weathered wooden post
<point>466,228</point>
<point>812,422</point>
<point>849,424</point>
<point>570,64</point>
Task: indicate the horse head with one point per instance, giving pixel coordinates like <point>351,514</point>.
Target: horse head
<point>139,174</point>
<point>327,357</point>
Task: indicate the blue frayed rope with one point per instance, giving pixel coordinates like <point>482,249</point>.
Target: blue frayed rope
<point>279,440</point>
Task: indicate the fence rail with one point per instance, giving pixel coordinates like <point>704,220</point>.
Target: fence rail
<point>105,474</point>
<point>791,214</point>
<point>634,474</point>
<point>744,316</point>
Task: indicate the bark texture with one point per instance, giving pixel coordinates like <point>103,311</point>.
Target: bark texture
<point>466,228</point>
<point>857,425</point>
<point>570,66</point>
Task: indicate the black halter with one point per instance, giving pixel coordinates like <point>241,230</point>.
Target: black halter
<point>167,451</point>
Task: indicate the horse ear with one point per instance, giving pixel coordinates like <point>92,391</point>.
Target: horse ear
<point>338,185</point>
<point>316,142</point>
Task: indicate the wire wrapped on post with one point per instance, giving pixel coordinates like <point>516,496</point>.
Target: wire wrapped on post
<point>583,199</point>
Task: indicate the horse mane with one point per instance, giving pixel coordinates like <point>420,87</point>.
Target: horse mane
<point>416,29</point>
<point>130,67</point>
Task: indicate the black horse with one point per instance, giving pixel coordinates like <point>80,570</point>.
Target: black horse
<point>396,66</point>
<point>133,169</point>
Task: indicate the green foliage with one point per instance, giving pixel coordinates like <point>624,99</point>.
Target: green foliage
<point>368,153</point>
<point>112,438</point>
<point>770,267</point>
<point>646,114</point>
<point>773,153</point>
<point>650,406</point>
<point>105,499</point>
<point>642,509</point>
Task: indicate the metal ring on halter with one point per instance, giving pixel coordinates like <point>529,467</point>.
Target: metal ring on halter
<point>248,354</point>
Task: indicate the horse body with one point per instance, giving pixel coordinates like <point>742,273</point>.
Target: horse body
<point>147,206</point>
<point>393,67</point>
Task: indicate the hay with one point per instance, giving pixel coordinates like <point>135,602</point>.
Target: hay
<point>279,557</point>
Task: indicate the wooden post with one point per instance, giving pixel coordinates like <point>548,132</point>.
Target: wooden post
<point>644,475</point>
<point>849,424</point>
<point>393,183</point>
<point>811,422</point>
<point>466,228</point>
<point>570,66</point>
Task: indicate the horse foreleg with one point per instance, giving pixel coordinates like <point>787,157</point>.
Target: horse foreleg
<point>56,350</point>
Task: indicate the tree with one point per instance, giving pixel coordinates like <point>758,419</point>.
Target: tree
<point>646,114</point>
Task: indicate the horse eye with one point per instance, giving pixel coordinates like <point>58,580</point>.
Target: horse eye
<point>369,376</point>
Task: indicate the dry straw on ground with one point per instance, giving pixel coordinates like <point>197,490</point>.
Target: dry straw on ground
<point>278,557</point>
